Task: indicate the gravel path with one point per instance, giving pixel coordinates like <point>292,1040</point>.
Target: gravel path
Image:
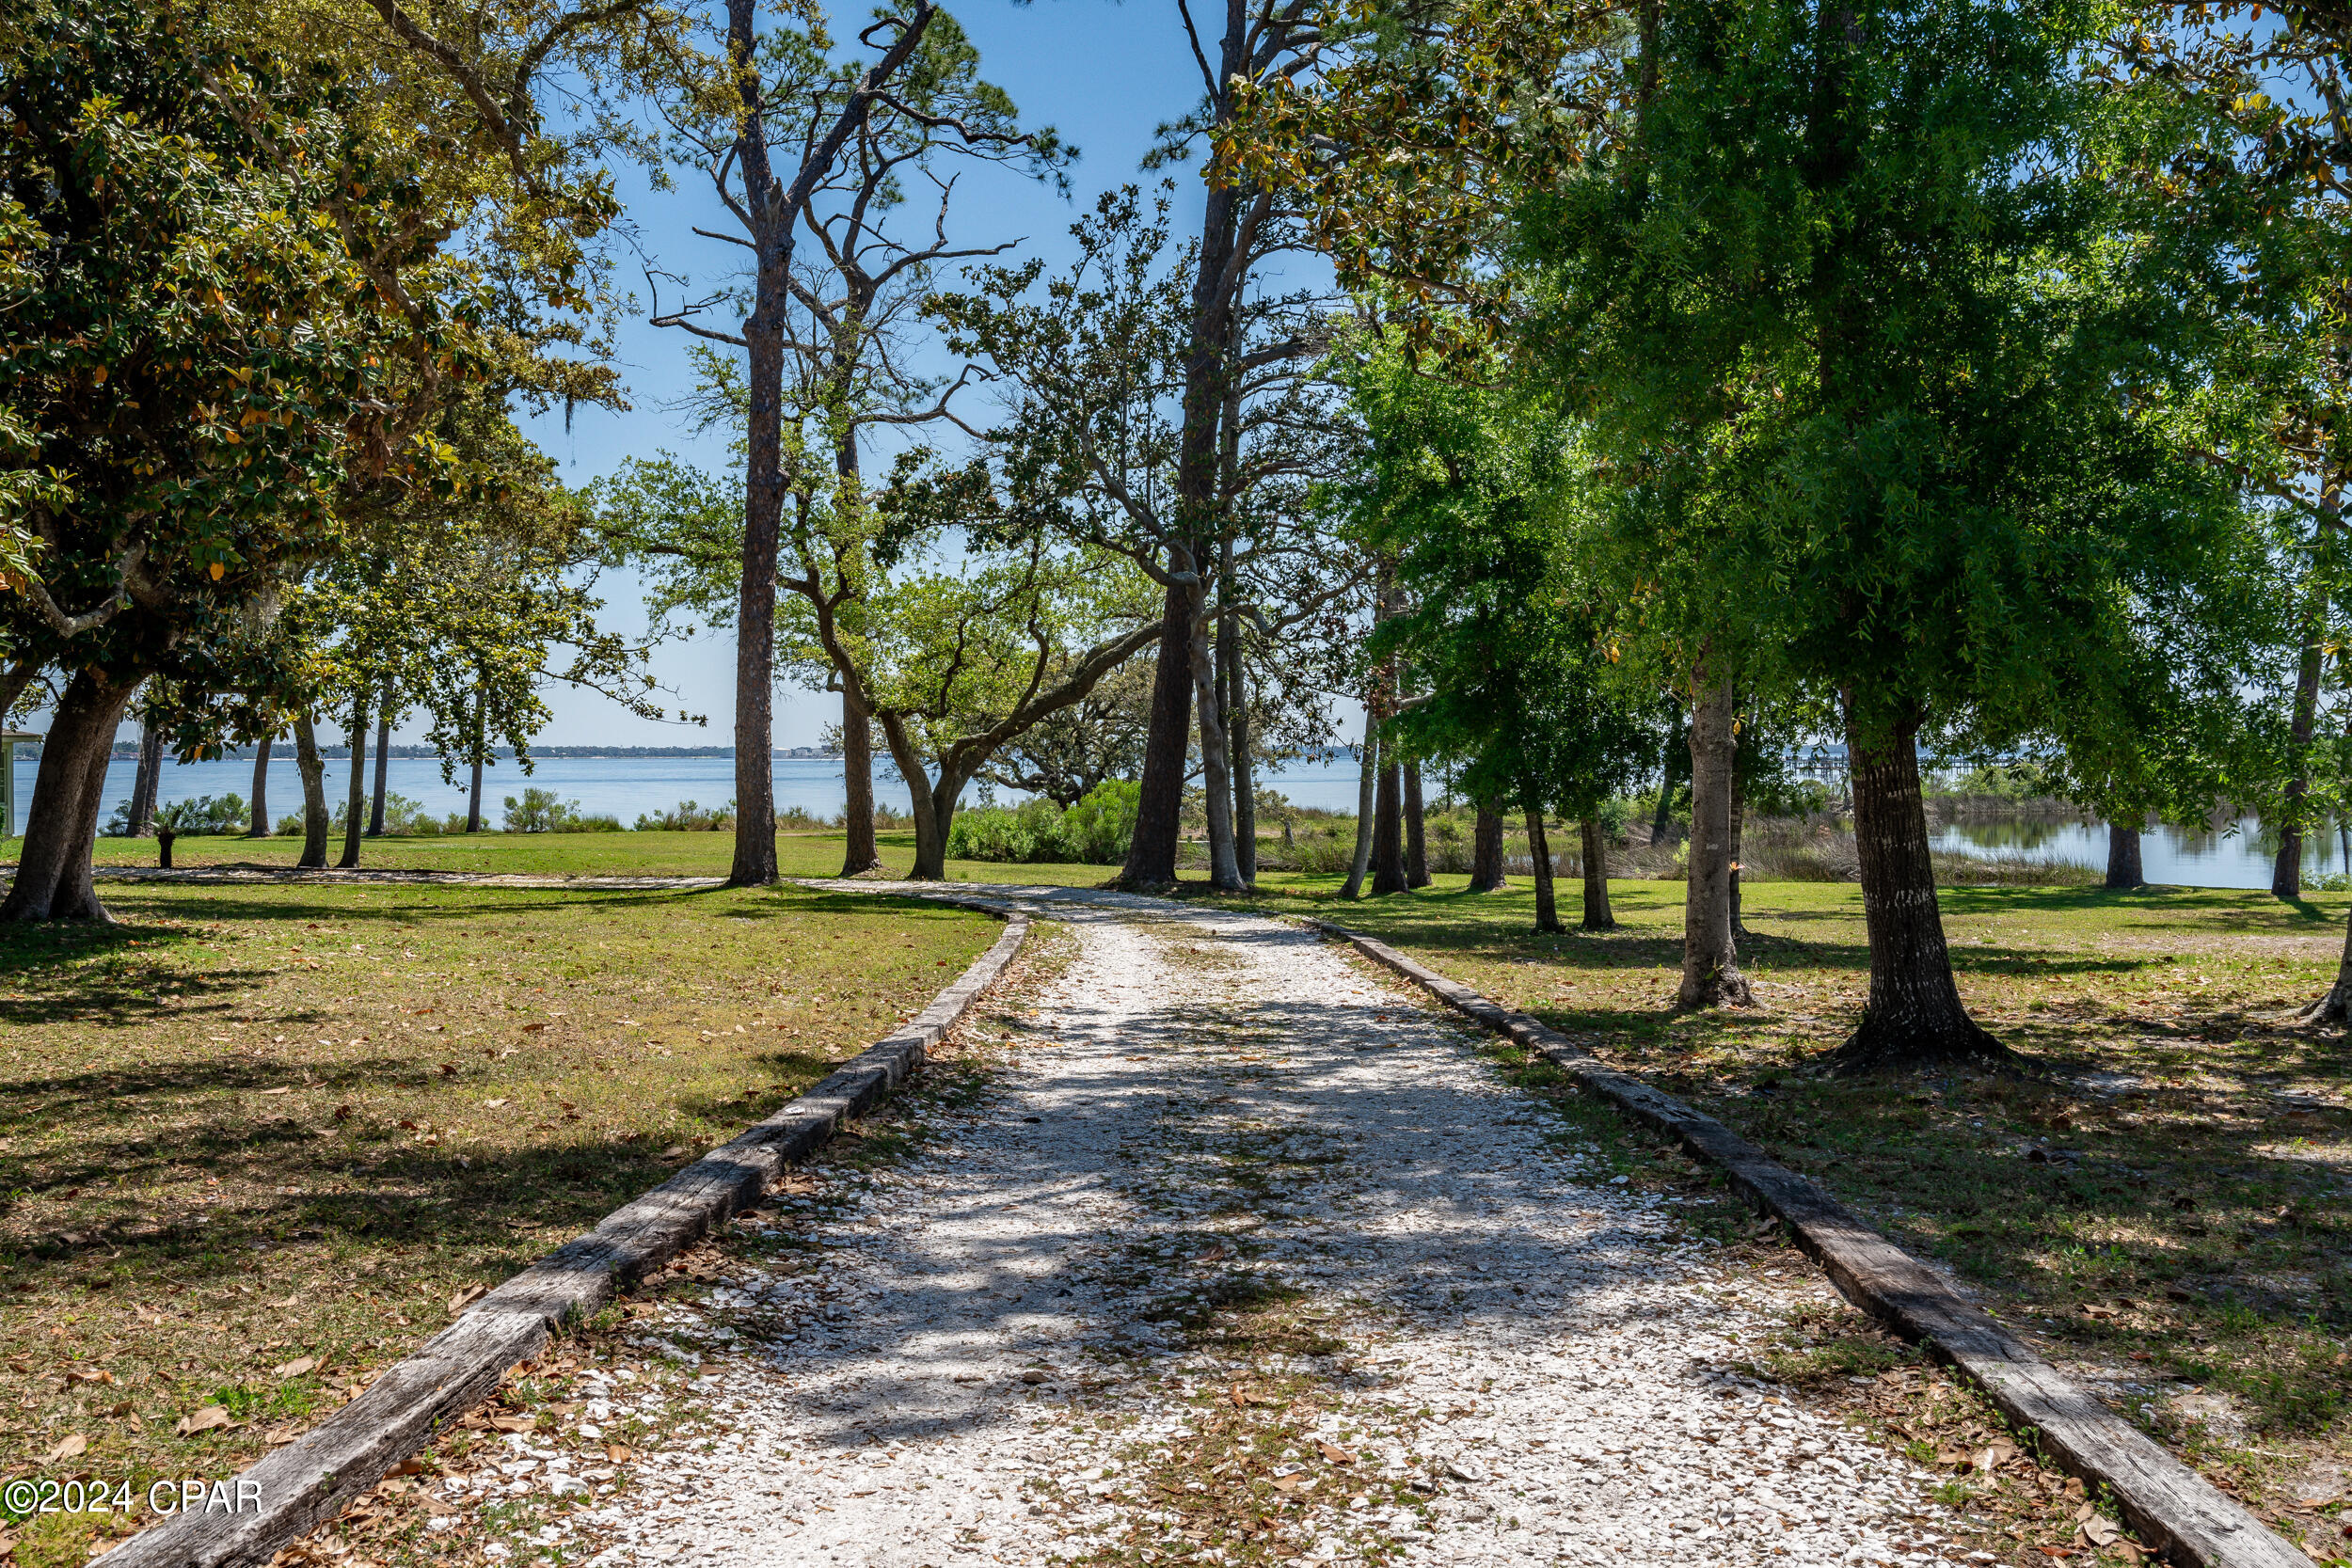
<point>1250,1255</point>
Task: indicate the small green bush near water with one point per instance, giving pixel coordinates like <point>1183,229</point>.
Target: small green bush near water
<point>402,818</point>
<point>540,812</point>
<point>202,814</point>
<point>688,817</point>
<point>1094,832</point>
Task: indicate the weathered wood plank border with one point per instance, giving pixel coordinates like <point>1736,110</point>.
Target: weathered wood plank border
<point>310,1481</point>
<point>2170,1506</point>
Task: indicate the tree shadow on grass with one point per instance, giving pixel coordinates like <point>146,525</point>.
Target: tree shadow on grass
<point>120,976</point>
<point>285,1172</point>
<point>1459,923</point>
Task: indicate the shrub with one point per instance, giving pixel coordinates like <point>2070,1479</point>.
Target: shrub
<point>406,818</point>
<point>540,812</point>
<point>688,817</point>
<point>1098,829</point>
<point>1094,832</point>
<point>202,814</point>
<point>1028,832</point>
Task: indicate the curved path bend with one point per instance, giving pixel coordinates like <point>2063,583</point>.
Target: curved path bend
<point>1456,1340</point>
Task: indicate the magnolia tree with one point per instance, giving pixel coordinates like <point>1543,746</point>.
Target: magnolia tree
<point>188,348</point>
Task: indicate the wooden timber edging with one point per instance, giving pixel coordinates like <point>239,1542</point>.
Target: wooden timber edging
<point>2183,1516</point>
<point>306,1482</point>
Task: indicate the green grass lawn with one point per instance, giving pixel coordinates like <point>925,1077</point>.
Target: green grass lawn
<point>255,1139</point>
<point>622,854</point>
<point>2162,1197</point>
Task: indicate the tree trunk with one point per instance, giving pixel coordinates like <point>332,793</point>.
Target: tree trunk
<point>1669,775</point>
<point>754,863</point>
<point>1388,830</point>
<point>936,807</point>
<point>1914,1016</point>
<point>1539,861</point>
<point>355,800</point>
<point>1598,916</point>
<point>930,824</point>
<point>382,764</point>
<point>858,852</point>
<point>258,824</point>
<point>1216,779</point>
<point>481,734</point>
<point>1487,851</point>
<point>1710,962</point>
<point>1216,284</point>
<point>1150,864</point>
<point>1235,691</point>
<point>2336,1007</point>
<point>2286,873</point>
<point>1416,840</point>
<point>145,781</point>
<point>772,235</point>
<point>1367,788</point>
<point>2123,868</point>
<point>315,824</point>
<point>1738,833</point>
<point>53,867</point>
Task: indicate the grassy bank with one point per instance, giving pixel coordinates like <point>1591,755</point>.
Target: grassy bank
<point>256,1141</point>
<point>2160,1202</point>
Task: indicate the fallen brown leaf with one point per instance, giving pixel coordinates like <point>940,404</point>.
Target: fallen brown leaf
<point>295,1368</point>
<point>203,1421</point>
<point>466,1298</point>
<point>618,1453</point>
<point>69,1448</point>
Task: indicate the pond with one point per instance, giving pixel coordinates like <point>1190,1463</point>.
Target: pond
<point>2238,853</point>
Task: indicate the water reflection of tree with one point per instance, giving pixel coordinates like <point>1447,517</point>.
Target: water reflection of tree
<point>2074,835</point>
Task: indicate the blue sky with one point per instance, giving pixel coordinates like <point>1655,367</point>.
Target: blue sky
<point>1102,74</point>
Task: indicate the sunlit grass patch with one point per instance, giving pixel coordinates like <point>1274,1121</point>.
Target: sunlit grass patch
<point>258,1142</point>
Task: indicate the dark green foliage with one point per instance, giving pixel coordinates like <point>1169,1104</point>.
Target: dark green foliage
<point>1094,832</point>
<point>185,349</point>
<point>1476,495</point>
